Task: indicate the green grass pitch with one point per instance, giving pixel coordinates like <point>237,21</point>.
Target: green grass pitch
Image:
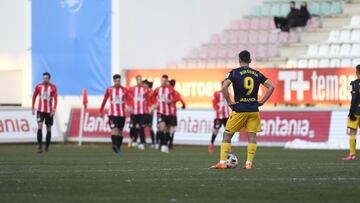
<point>93,173</point>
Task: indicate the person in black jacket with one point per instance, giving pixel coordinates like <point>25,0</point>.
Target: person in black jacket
<point>304,15</point>
<point>284,24</point>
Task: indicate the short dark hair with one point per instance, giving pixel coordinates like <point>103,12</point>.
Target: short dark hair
<point>245,56</point>
<point>292,2</point>
<point>165,76</point>
<point>138,76</point>
<point>116,76</point>
<point>148,83</point>
<point>47,74</point>
<point>172,82</point>
<point>358,68</point>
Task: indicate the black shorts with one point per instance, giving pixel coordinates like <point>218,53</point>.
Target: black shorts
<point>219,122</point>
<point>137,120</point>
<point>148,119</point>
<point>164,118</point>
<point>173,120</point>
<point>41,116</point>
<point>116,122</point>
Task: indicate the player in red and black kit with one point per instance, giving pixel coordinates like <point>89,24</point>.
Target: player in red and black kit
<point>117,111</point>
<point>150,113</point>
<point>176,97</point>
<point>222,114</point>
<point>139,95</point>
<point>162,99</point>
<point>47,103</point>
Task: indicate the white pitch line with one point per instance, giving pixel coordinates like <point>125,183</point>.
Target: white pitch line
<point>101,170</point>
<point>303,179</point>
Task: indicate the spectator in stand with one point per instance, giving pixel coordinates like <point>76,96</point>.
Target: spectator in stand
<point>285,23</point>
<point>304,15</point>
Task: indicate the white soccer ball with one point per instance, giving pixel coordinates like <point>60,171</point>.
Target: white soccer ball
<point>231,161</point>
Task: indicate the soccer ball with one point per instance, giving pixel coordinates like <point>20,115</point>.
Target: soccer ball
<point>231,161</point>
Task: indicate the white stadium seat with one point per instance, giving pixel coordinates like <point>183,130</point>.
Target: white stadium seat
<point>313,50</point>
<point>323,50</point>
<point>355,36</point>
<point>355,22</point>
<point>302,63</point>
<point>334,36</point>
<point>356,62</point>
<point>346,63</point>
<point>345,36</point>
<point>291,63</point>
<point>335,63</point>
<point>334,50</point>
<point>345,50</point>
<point>313,63</point>
<point>324,63</point>
<point>355,50</point>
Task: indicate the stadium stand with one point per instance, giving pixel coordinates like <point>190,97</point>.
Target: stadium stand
<point>341,49</point>
<point>331,33</point>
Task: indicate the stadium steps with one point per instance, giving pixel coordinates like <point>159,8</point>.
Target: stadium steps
<point>293,50</point>
<point>311,35</point>
<point>274,62</point>
<point>314,36</point>
<point>307,36</point>
<point>352,8</point>
<point>334,22</point>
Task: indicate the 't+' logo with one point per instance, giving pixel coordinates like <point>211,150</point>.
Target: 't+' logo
<point>294,81</point>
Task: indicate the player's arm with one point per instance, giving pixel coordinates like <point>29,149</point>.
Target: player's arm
<point>180,99</point>
<point>129,96</point>
<point>225,91</point>
<point>354,104</point>
<point>130,93</point>
<point>36,93</point>
<point>147,96</point>
<point>55,96</point>
<point>149,100</point>
<point>269,91</point>
<point>106,97</point>
<point>129,100</point>
<point>172,97</point>
<point>215,103</point>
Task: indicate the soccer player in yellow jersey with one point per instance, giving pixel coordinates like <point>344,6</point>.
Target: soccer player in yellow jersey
<point>354,115</point>
<point>245,112</point>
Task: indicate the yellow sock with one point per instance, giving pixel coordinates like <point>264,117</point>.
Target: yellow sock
<point>251,150</point>
<point>352,144</point>
<point>224,151</point>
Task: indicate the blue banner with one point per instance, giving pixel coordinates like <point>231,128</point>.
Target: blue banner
<point>71,39</point>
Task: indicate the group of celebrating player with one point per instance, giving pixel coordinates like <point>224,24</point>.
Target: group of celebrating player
<point>141,102</point>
